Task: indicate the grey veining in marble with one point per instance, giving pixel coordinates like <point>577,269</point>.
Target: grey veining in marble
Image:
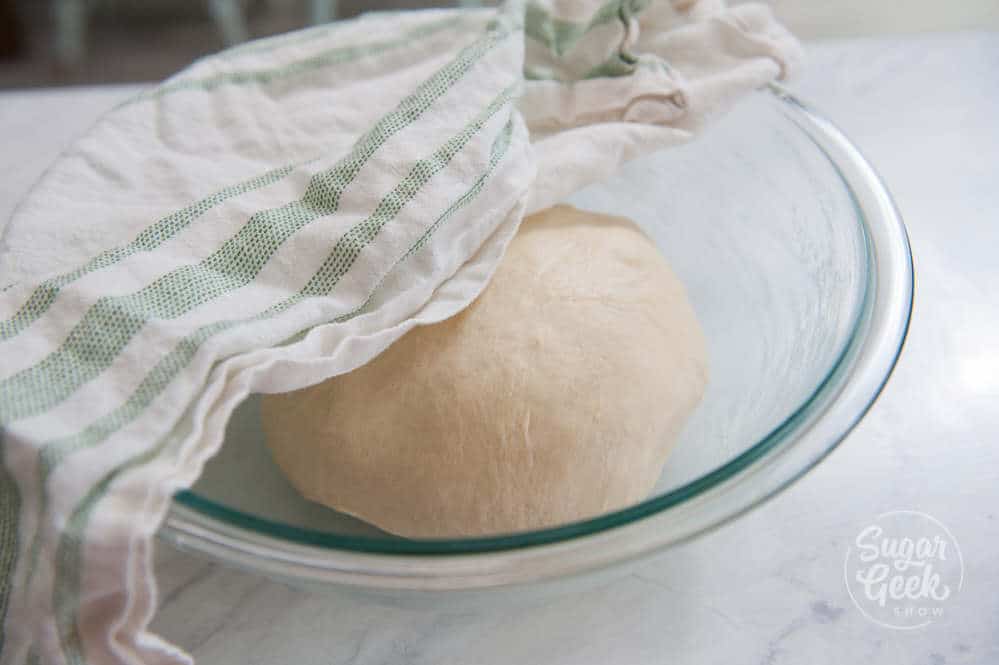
<point>767,589</point>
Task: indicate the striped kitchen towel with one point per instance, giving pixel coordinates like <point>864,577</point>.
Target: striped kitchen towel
<point>278,214</point>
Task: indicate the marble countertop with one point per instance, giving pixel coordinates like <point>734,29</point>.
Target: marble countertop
<point>768,588</point>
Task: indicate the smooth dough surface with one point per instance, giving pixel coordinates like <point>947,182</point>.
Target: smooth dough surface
<point>554,397</point>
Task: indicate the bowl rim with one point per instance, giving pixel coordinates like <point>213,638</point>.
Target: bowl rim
<point>761,471</point>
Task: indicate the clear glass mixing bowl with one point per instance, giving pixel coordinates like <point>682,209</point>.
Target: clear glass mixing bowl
<point>799,268</point>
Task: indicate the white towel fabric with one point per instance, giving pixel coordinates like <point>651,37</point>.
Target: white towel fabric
<point>279,214</point>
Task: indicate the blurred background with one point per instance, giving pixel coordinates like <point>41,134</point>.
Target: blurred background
<point>74,42</point>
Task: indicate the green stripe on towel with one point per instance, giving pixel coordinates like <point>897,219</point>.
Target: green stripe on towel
<point>149,239</point>
<point>66,593</point>
<point>112,322</point>
<point>10,506</point>
<point>406,113</point>
<point>560,36</point>
<point>331,56</point>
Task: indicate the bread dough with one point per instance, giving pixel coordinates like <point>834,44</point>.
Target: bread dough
<point>553,397</point>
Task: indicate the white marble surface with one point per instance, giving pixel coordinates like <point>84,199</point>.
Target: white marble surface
<point>768,588</point>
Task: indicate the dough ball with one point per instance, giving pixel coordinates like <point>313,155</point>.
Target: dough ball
<point>555,396</point>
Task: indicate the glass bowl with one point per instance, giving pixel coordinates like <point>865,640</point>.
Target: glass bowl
<point>798,266</point>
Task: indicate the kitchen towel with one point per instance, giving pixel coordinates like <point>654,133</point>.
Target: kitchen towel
<point>278,214</point>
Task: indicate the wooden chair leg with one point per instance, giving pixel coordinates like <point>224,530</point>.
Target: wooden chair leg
<point>322,11</point>
<point>71,31</point>
<point>228,17</point>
